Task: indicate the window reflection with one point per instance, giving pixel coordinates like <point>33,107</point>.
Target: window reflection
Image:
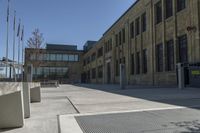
<point>71,57</point>
<point>50,71</point>
<point>65,57</point>
<point>56,57</point>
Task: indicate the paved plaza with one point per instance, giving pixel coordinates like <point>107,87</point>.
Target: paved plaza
<point>108,109</point>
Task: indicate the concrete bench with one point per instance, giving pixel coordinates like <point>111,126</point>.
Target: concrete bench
<point>11,105</point>
<point>26,99</point>
<point>35,92</point>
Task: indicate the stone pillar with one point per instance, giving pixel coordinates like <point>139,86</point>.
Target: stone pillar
<point>181,80</point>
<point>29,73</point>
<point>122,76</point>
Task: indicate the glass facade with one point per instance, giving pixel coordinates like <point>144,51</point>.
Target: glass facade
<point>55,57</point>
<point>44,72</point>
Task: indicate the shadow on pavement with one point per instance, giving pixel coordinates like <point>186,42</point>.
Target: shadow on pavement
<point>191,126</point>
<point>188,97</point>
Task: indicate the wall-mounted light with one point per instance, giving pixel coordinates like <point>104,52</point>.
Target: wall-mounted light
<point>191,28</point>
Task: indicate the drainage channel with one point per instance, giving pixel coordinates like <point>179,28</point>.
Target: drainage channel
<point>77,111</point>
<point>58,120</point>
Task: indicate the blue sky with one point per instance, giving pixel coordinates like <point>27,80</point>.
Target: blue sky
<point>62,21</point>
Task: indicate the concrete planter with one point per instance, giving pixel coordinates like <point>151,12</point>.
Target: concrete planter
<point>26,99</point>
<point>11,105</point>
<point>35,92</point>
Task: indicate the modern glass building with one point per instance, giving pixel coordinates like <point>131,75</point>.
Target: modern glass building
<point>55,62</point>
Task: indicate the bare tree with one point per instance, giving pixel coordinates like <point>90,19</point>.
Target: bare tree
<point>36,41</point>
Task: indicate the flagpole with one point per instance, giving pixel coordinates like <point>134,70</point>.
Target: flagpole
<point>14,28</point>
<point>18,55</point>
<point>22,39</point>
<point>18,34</point>
<point>7,37</point>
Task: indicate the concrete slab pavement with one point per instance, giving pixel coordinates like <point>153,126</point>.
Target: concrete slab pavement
<point>97,100</point>
<point>105,98</point>
<point>44,115</point>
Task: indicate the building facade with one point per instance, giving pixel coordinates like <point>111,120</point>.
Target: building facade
<point>150,38</point>
<point>56,62</point>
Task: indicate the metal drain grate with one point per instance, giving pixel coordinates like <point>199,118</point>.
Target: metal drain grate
<point>141,122</point>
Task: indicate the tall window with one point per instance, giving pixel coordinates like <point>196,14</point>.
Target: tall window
<point>159,57</point>
<point>88,75</point>
<point>93,57</point>
<point>169,8</point>
<point>158,10</point>
<point>144,22</point>
<point>88,60</point>
<point>183,53</point>
<point>110,44</point>
<point>123,35</point>
<point>106,47</point>
<point>117,68</point>
<point>138,63</point>
<point>100,72</point>
<point>132,64</point>
<point>84,62</point>
<point>93,73</point>
<point>116,40</point>
<point>144,61</point>
<point>100,52</point>
<point>170,55</point>
<point>181,4</point>
<point>132,29</point>
<point>137,26</point>
<point>120,38</point>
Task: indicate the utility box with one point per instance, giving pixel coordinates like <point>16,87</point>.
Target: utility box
<point>182,75</point>
<point>194,76</point>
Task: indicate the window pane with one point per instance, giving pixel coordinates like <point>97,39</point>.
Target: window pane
<point>71,57</point>
<point>117,68</point>
<point>169,8</point>
<point>144,61</point>
<point>33,56</point>
<point>132,64</point>
<point>137,26</point>
<point>138,63</point>
<point>181,4</point>
<point>40,57</point>
<point>159,55</point>
<point>158,12</point>
<point>144,23</point>
<point>59,57</point>
<point>132,29</point>
<point>76,58</point>
<point>124,36</point>
<point>170,55</point>
<point>65,57</point>
<point>183,49</point>
<point>53,57</point>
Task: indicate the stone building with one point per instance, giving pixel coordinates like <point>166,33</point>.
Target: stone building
<point>150,38</point>
<point>56,62</point>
